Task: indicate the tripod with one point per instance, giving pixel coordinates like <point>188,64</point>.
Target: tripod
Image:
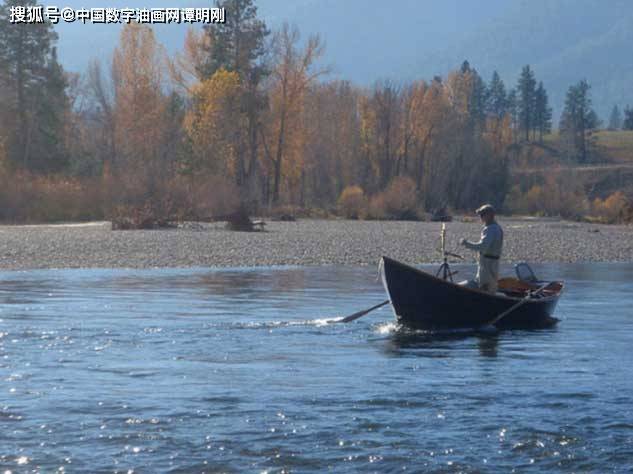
<point>445,269</point>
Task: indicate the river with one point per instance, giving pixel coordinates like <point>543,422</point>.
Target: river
<point>243,370</point>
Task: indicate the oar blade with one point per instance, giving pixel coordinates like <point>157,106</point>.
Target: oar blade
<point>360,314</point>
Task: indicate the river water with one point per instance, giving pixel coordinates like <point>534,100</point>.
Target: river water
<point>241,371</point>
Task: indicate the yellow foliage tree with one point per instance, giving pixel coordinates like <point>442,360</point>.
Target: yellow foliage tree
<point>213,123</point>
<point>291,77</point>
<point>353,202</point>
<point>435,139</point>
<point>184,68</point>
<point>139,110</point>
<point>616,208</point>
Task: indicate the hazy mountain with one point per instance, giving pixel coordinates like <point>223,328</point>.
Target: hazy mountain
<point>564,40</point>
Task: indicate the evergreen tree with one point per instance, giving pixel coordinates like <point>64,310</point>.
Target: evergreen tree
<point>615,120</point>
<point>473,93</point>
<point>52,111</point>
<point>497,100</point>
<point>526,93</point>
<point>628,118</point>
<point>239,45</point>
<point>478,99</point>
<point>577,119</point>
<point>35,85</point>
<point>513,110</point>
<point>542,112</point>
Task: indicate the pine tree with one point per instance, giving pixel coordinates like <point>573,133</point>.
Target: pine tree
<point>35,85</point>
<point>542,112</point>
<point>239,45</point>
<point>470,92</point>
<point>497,100</point>
<point>479,97</point>
<point>628,118</point>
<point>577,119</point>
<point>513,111</point>
<point>526,93</point>
<point>615,120</point>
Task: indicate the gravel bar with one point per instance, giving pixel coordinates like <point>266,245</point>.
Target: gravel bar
<point>305,242</point>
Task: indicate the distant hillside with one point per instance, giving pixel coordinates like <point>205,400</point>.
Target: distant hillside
<point>611,169</point>
<point>564,40</point>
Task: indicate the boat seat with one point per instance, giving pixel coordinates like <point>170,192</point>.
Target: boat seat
<point>517,288</point>
<point>514,285</point>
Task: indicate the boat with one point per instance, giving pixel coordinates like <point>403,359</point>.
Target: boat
<point>421,300</point>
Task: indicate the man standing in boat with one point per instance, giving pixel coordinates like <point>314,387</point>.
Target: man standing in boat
<point>489,248</point>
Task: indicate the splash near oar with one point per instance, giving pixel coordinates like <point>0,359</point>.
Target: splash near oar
<point>360,314</point>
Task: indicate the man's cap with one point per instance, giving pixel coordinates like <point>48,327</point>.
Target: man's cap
<point>486,208</point>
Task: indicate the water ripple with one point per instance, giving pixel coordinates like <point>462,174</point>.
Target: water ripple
<point>252,370</point>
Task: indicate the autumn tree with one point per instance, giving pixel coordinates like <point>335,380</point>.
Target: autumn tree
<point>186,66</point>
<point>435,116</point>
<point>292,74</point>
<point>381,117</point>
<point>331,148</point>
<point>239,45</point>
<point>212,123</point>
<point>139,112</point>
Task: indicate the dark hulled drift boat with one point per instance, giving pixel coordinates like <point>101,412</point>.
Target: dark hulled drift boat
<point>423,301</point>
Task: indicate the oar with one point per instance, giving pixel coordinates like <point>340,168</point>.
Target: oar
<point>517,305</point>
<point>360,314</point>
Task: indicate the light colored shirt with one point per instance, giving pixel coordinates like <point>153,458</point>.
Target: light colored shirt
<point>491,241</point>
<point>490,245</point>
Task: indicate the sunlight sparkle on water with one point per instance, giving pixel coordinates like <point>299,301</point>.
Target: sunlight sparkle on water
<point>240,369</point>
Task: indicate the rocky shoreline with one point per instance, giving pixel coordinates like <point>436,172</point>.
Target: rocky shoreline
<point>305,242</point>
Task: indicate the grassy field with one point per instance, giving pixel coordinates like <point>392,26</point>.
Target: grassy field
<point>609,148</point>
<point>616,146</point>
<point>610,166</point>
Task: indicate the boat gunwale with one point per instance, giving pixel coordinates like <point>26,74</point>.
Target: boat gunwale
<point>473,290</point>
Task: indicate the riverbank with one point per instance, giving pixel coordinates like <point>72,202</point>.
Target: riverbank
<point>305,242</point>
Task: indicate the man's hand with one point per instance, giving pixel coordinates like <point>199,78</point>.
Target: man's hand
<point>462,242</point>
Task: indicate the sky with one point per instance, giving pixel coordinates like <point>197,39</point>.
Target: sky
<point>404,40</point>
<point>365,40</point>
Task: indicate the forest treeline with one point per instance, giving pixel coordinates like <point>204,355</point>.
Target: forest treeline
<point>246,117</point>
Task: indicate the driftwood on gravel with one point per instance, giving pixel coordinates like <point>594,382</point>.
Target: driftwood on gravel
<point>240,221</point>
<point>127,223</point>
<point>145,217</point>
<point>306,242</point>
